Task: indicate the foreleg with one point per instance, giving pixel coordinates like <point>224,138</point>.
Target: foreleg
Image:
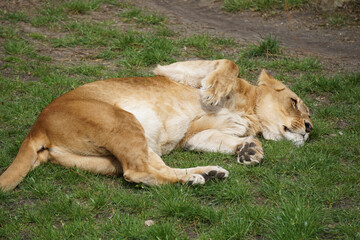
<point>248,149</point>
<point>215,78</point>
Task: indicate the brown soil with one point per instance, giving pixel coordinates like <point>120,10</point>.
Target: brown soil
<point>303,32</point>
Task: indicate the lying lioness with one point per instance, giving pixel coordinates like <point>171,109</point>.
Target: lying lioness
<point>124,125</point>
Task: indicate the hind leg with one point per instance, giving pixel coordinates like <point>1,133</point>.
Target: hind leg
<point>165,174</point>
<point>150,169</point>
<point>195,175</point>
<point>105,165</point>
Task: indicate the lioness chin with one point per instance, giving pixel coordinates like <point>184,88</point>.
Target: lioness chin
<point>124,125</point>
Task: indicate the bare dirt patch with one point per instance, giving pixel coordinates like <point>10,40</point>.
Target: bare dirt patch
<point>302,32</point>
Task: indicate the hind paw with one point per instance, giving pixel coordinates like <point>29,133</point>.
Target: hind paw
<point>215,172</point>
<point>196,179</point>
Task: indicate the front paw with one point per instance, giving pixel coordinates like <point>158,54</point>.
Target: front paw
<point>250,152</point>
<point>211,97</point>
<point>214,89</point>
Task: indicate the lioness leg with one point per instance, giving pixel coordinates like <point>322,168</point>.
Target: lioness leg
<point>195,175</point>
<point>214,78</point>
<point>154,171</point>
<point>248,149</point>
<point>105,165</point>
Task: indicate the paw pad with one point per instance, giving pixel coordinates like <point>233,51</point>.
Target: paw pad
<point>214,172</point>
<point>249,153</point>
<point>214,175</point>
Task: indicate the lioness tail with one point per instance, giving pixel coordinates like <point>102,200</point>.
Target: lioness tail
<point>30,155</point>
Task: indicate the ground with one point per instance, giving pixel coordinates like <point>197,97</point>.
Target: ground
<point>49,47</point>
<point>303,32</point>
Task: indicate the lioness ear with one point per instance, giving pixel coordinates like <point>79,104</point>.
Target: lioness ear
<point>266,79</point>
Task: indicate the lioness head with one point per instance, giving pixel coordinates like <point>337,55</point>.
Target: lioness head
<point>282,114</point>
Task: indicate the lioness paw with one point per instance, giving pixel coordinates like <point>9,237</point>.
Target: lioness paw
<point>196,179</point>
<point>213,95</point>
<point>250,152</point>
<point>215,172</point>
<point>208,97</point>
<point>213,90</point>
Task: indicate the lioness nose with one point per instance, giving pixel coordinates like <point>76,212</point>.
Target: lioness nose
<point>308,127</point>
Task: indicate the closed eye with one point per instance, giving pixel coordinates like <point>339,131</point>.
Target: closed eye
<point>294,103</point>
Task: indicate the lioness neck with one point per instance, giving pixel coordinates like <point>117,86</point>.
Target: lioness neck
<point>243,100</point>
<point>243,97</point>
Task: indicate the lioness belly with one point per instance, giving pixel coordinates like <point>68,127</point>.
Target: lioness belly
<point>164,125</point>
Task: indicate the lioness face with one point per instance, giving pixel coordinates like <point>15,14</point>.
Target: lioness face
<point>282,113</point>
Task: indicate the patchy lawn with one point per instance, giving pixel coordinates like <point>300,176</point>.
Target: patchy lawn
<point>50,47</point>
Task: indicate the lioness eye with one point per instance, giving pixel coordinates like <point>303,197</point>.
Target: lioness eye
<point>294,103</point>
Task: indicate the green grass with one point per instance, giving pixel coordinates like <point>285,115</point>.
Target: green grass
<point>336,20</point>
<point>13,16</point>
<point>82,7</point>
<point>269,46</point>
<point>309,192</point>
<point>140,17</point>
<point>261,5</point>
<point>48,14</point>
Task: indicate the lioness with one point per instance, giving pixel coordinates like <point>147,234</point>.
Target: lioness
<point>124,125</point>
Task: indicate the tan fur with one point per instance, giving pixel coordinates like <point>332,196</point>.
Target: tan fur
<point>124,125</point>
